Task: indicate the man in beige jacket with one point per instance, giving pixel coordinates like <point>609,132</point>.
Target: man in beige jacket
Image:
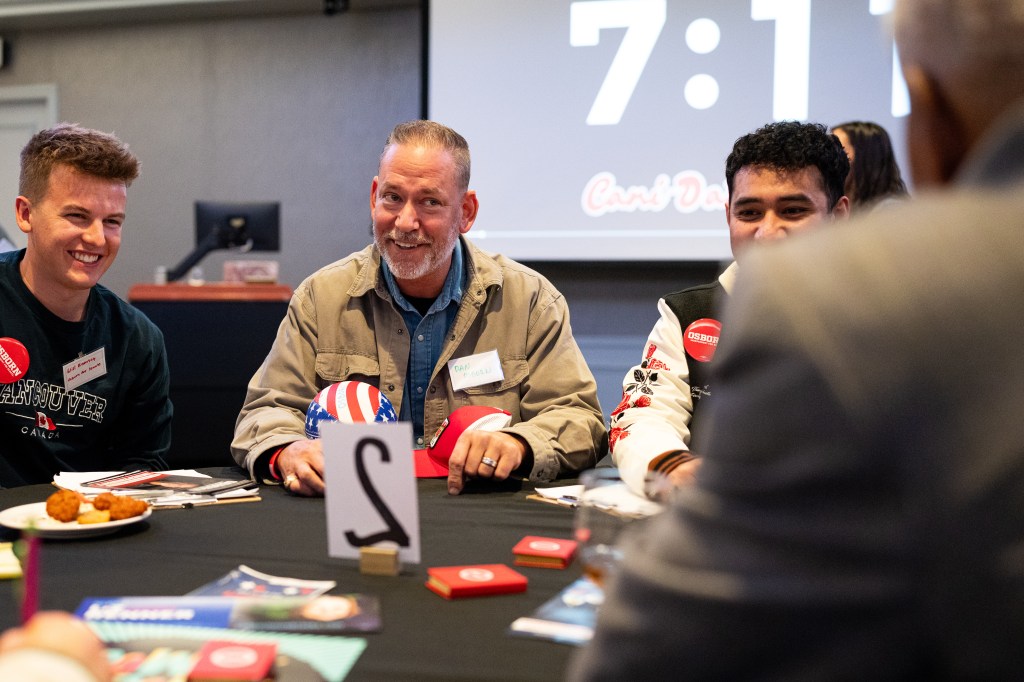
<point>405,313</point>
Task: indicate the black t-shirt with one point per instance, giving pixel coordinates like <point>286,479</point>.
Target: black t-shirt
<point>118,419</point>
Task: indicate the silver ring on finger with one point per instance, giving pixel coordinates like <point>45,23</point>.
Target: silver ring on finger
<point>487,461</point>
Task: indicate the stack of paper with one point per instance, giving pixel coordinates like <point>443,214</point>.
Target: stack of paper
<point>163,637</point>
<point>616,499</point>
<point>178,488</point>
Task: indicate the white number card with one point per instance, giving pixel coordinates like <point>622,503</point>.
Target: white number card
<point>370,491</point>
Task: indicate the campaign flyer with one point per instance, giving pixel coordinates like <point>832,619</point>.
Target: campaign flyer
<point>247,582</point>
<point>323,614</point>
<point>568,618</point>
<point>159,653</point>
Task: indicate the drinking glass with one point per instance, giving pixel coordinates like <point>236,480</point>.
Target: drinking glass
<point>597,525</point>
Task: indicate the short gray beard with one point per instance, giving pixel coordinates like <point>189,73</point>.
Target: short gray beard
<point>421,269</point>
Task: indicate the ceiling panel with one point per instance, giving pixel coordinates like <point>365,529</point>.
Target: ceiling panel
<point>41,14</point>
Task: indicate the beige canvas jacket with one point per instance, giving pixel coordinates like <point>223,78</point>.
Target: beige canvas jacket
<point>341,325</point>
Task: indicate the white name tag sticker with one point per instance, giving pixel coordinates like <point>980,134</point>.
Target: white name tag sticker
<point>475,370</point>
<point>370,489</point>
<point>85,368</point>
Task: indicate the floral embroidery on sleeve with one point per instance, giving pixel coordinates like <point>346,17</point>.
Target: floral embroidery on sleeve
<point>638,392</point>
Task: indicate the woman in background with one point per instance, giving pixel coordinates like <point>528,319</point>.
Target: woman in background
<point>874,177</point>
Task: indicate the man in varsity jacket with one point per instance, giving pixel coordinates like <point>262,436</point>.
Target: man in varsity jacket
<point>783,178</point>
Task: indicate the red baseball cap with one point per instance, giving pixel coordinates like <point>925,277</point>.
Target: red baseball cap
<point>432,461</point>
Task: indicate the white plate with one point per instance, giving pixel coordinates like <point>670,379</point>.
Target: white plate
<point>34,515</point>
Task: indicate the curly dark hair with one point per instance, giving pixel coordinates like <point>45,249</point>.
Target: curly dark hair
<point>792,146</point>
<point>86,150</point>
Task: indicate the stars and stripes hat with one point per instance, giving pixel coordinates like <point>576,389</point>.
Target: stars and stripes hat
<point>348,402</point>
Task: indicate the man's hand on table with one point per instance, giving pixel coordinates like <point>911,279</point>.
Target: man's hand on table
<point>483,454</point>
<point>477,454</point>
<point>301,467</point>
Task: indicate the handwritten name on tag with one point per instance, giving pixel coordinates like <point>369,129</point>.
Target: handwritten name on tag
<point>84,369</point>
<point>475,370</point>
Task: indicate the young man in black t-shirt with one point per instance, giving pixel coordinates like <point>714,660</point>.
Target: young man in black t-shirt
<point>83,375</point>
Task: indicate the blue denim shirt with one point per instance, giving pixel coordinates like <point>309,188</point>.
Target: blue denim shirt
<point>426,337</point>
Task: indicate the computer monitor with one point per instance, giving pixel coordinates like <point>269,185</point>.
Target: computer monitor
<point>246,226</point>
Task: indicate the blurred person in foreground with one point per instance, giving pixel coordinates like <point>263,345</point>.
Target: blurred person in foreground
<point>402,312</point>
<point>53,647</point>
<point>860,510</point>
<point>783,179</point>
<point>84,380</point>
<point>875,180</point>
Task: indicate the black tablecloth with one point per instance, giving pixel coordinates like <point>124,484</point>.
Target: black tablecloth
<point>424,637</point>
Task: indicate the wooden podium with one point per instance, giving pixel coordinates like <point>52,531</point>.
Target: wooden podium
<point>217,335</point>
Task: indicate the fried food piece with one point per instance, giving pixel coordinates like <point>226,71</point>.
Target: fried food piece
<point>119,506</point>
<point>126,507</point>
<point>103,500</point>
<point>63,505</point>
<point>94,516</point>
